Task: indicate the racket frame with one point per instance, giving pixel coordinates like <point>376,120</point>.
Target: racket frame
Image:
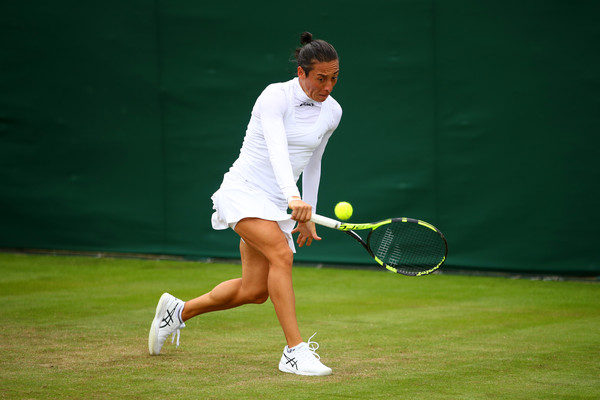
<point>349,229</point>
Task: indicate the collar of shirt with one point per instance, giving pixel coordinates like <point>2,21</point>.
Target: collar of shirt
<point>301,99</point>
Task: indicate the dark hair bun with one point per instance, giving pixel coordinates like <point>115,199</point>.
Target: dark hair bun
<point>318,51</point>
<point>305,38</point>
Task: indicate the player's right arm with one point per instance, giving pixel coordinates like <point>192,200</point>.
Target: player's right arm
<point>272,106</point>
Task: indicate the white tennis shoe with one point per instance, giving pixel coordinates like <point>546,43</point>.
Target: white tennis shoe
<point>166,322</point>
<point>303,360</point>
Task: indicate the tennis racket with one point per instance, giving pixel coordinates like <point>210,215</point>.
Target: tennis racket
<point>403,245</point>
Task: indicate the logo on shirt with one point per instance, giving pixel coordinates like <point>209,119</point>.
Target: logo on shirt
<point>307,104</point>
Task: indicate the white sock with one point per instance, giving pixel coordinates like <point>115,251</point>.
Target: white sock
<point>296,346</point>
<point>179,311</point>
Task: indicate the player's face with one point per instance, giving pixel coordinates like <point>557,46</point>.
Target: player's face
<point>321,79</point>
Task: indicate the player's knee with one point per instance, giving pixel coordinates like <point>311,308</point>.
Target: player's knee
<point>283,256</point>
<point>257,296</point>
<point>260,298</point>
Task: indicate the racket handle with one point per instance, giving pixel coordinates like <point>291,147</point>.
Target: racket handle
<point>328,222</point>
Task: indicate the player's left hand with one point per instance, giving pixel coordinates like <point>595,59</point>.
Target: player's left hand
<point>307,233</point>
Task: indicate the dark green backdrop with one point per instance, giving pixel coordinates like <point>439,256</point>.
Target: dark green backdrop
<point>118,120</point>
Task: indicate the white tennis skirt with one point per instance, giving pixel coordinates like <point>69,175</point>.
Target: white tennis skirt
<point>234,202</point>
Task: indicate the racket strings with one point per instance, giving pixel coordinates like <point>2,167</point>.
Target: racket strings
<point>407,246</point>
<point>389,249</point>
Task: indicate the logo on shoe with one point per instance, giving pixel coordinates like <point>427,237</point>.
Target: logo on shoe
<point>291,361</point>
<point>168,319</point>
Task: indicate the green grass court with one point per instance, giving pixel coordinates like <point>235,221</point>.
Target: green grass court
<point>76,328</point>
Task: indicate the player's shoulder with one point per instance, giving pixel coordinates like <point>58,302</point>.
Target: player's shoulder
<point>336,108</point>
<point>277,88</point>
<point>274,97</point>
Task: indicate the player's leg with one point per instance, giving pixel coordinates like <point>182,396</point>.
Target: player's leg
<point>266,271</point>
<point>250,288</point>
<point>171,312</point>
<point>266,238</point>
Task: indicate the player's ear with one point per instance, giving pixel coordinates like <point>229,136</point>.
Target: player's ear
<point>301,73</point>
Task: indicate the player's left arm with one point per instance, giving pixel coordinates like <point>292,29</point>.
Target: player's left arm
<point>311,176</point>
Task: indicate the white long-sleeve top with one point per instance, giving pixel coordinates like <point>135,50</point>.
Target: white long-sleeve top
<point>286,137</point>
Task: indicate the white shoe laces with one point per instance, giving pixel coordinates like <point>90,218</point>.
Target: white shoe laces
<point>177,333</point>
<point>313,346</point>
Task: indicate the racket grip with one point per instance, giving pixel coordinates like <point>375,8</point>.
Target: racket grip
<point>328,222</point>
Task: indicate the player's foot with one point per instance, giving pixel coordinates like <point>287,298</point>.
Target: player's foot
<point>166,322</point>
<point>303,360</point>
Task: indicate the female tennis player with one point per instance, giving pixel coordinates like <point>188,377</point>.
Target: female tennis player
<point>290,125</point>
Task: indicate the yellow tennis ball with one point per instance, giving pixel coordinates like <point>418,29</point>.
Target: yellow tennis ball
<point>343,210</point>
